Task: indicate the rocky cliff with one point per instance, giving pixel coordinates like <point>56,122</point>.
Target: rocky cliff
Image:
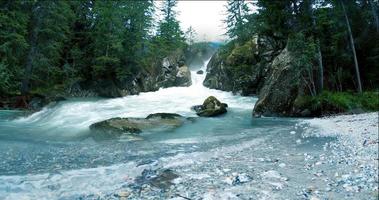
<point>261,67</point>
<point>242,68</point>
<point>280,89</point>
<point>169,72</point>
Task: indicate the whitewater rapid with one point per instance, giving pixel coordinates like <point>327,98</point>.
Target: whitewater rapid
<point>73,117</point>
<point>51,155</point>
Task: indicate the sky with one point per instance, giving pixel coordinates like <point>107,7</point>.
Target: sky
<point>205,17</point>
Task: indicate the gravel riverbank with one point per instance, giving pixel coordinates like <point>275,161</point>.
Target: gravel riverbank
<point>343,166</point>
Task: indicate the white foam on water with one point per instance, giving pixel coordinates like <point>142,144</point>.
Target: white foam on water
<point>100,180</point>
<point>68,183</point>
<point>77,116</point>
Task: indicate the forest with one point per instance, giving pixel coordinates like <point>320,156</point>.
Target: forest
<point>132,99</point>
<point>53,44</point>
<point>48,46</point>
<point>333,46</point>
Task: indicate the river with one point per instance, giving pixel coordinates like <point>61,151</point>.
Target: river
<point>50,154</point>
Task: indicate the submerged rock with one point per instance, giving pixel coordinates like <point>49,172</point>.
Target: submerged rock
<point>156,178</point>
<point>210,108</point>
<point>116,127</point>
<point>164,179</point>
<point>200,72</point>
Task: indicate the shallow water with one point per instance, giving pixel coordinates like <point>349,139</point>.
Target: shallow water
<point>51,155</point>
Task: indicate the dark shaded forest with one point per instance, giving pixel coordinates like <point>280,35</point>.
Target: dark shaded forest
<point>301,57</point>
<point>45,45</point>
<point>50,46</point>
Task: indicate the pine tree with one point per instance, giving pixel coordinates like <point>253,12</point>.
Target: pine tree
<point>236,18</point>
<point>138,20</point>
<point>107,38</point>
<point>49,26</point>
<point>169,34</point>
<point>13,43</point>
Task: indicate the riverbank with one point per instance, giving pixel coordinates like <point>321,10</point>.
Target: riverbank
<point>321,158</point>
<point>51,155</point>
<point>346,167</point>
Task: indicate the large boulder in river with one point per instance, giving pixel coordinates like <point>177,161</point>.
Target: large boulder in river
<point>116,127</point>
<point>210,108</point>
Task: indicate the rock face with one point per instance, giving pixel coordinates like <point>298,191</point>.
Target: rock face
<point>241,67</point>
<point>171,71</point>
<point>210,108</point>
<point>116,127</point>
<point>260,67</point>
<point>280,89</point>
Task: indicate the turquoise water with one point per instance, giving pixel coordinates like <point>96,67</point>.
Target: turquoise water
<point>51,154</point>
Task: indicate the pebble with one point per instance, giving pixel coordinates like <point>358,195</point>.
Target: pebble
<point>282,165</point>
<point>123,194</point>
<point>228,180</point>
<point>226,170</point>
<point>241,178</point>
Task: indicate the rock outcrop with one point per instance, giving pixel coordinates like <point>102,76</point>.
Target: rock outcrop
<point>260,67</point>
<point>210,108</point>
<point>280,88</point>
<point>171,71</point>
<point>242,68</point>
<point>116,127</point>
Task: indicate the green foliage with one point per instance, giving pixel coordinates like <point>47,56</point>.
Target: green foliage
<point>335,102</point>
<point>304,55</point>
<point>169,36</point>
<point>48,43</point>
<point>13,44</point>
<point>316,34</point>
<point>236,19</point>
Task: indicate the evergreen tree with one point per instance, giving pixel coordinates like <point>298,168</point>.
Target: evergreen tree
<point>190,35</point>
<point>13,43</point>
<point>79,51</point>
<point>237,12</point>
<point>138,20</point>
<point>49,26</point>
<point>170,36</point>
<point>107,38</point>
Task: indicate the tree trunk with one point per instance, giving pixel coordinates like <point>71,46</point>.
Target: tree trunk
<point>321,66</point>
<point>25,84</point>
<point>352,47</point>
<point>374,14</point>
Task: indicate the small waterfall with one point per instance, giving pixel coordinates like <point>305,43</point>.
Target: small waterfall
<point>197,79</point>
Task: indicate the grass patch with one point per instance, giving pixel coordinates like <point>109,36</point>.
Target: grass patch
<point>336,102</point>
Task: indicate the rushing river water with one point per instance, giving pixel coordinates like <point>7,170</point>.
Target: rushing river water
<point>51,155</point>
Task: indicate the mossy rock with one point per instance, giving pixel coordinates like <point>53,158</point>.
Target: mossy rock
<point>116,127</point>
<point>210,108</point>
